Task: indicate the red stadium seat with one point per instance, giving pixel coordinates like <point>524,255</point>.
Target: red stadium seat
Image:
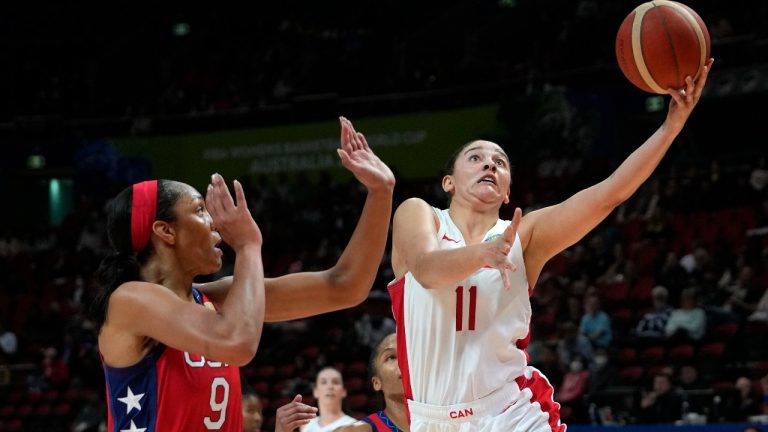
<point>631,375</point>
<point>355,384</point>
<point>15,425</point>
<point>653,354</point>
<point>357,401</point>
<point>627,356</point>
<point>641,290</point>
<point>712,351</point>
<point>682,353</point>
<point>357,368</point>
<point>724,332</point>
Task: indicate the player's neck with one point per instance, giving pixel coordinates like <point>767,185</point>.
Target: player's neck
<point>395,410</point>
<point>157,271</point>
<point>473,224</point>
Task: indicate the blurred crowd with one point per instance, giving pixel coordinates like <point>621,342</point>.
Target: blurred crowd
<point>663,305</point>
<point>89,61</point>
<point>659,315</point>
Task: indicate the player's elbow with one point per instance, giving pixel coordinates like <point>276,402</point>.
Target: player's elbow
<point>241,352</point>
<point>346,291</point>
<point>239,345</point>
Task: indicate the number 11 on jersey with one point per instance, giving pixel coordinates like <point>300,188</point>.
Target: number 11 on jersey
<point>460,308</point>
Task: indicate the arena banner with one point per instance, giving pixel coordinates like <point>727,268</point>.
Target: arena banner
<point>416,145</point>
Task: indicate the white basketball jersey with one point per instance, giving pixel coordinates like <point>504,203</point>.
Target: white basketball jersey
<point>459,343</point>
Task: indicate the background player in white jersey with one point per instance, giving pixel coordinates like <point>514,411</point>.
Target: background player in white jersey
<point>330,392</point>
<point>463,280</point>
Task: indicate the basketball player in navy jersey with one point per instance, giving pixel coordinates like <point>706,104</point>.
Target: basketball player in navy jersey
<point>463,278</point>
<point>385,378</point>
<point>170,349</point>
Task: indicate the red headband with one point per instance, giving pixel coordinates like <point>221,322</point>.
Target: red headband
<point>143,213</point>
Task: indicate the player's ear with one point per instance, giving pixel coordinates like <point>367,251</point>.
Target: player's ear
<point>376,382</point>
<point>165,231</point>
<point>506,196</point>
<point>448,184</point>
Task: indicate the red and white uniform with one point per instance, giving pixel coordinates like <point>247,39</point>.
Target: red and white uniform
<point>461,349</point>
<point>171,390</point>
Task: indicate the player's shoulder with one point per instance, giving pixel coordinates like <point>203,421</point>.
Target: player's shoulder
<point>358,426</point>
<point>414,203</point>
<point>138,291</point>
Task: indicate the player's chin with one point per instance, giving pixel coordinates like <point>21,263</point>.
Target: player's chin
<point>214,265</point>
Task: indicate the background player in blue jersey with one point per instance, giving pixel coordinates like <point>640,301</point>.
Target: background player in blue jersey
<point>385,378</point>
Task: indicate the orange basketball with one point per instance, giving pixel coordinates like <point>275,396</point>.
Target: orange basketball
<point>660,43</point>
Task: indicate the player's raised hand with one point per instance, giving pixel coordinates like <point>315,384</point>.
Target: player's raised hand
<point>231,218</point>
<point>294,414</point>
<point>498,249</point>
<point>358,158</point>
<point>685,99</point>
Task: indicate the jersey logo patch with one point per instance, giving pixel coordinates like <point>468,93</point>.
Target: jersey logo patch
<point>466,412</point>
<point>445,237</point>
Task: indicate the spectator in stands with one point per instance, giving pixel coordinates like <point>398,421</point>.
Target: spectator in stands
<point>672,275</point>
<point>573,345</point>
<point>744,402</point>
<point>652,326</point>
<point>253,417</point>
<point>761,309</point>
<point>603,372</point>
<point>663,403</point>
<point>688,378</point>
<point>688,322</point>
<point>9,343</point>
<point>744,294</point>
<point>595,323</point>
<point>548,363</point>
<point>574,386</point>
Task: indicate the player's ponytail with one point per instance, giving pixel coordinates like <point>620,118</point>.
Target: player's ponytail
<point>130,216</point>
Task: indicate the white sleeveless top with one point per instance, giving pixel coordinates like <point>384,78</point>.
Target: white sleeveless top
<point>459,343</point>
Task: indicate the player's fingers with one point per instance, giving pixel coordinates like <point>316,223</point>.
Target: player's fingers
<point>209,201</point>
<point>511,266</point>
<point>364,141</point>
<point>239,195</point>
<point>297,423</point>
<point>346,145</point>
<point>504,277</point>
<point>213,199</point>
<point>344,156</point>
<point>676,96</point>
<point>511,230</point>
<point>225,198</point>
<point>702,80</point>
<point>690,88</point>
<point>355,138</point>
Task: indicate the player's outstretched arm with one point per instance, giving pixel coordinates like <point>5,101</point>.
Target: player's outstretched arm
<point>347,283</point>
<point>550,230</point>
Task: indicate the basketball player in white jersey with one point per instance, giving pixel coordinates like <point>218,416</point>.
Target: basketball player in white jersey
<point>463,278</point>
